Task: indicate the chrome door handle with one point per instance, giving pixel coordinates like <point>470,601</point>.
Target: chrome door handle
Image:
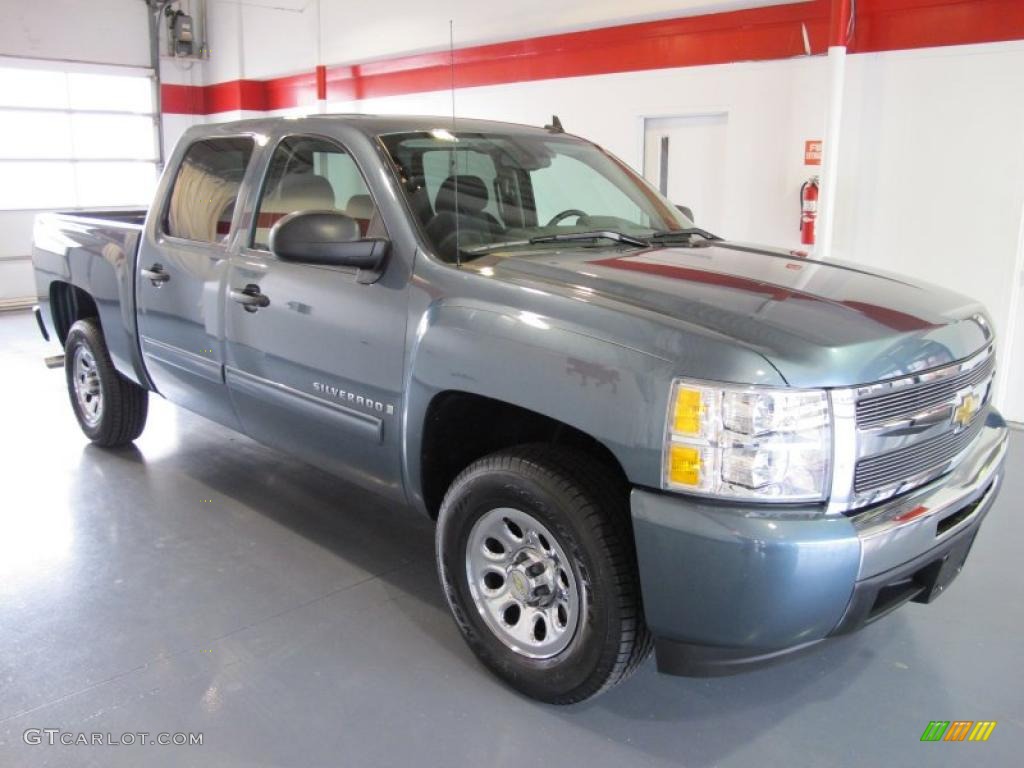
<point>155,275</point>
<point>249,297</point>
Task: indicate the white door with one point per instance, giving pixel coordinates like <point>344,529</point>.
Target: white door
<point>1011,392</point>
<point>684,157</point>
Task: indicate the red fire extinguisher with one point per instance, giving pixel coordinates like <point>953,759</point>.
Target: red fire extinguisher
<point>808,210</point>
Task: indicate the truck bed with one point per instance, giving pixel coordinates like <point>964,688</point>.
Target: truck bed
<point>94,251</point>
<point>135,217</point>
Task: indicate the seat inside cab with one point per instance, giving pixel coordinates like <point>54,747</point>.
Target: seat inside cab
<point>308,174</point>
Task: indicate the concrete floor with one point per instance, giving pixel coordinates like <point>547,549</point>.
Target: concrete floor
<point>200,582</point>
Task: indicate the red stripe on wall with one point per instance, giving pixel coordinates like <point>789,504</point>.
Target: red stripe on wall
<point>757,34</point>
<point>321,82</point>
<point>182,99</point>
<point>763,33</point>
<point>893,25</point>
<point>291,91</point>
<point>236,94</point>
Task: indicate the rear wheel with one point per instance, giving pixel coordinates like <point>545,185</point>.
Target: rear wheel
<point>536,558</point>
<point>111,410</point>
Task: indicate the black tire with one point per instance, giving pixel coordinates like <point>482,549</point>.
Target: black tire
<point>124,404</point>
<point>586,508</point>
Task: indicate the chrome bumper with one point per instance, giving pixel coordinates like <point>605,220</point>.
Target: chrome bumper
<point>897,532</point>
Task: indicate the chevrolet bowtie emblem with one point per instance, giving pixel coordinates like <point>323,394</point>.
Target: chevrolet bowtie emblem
<point>966,407</point>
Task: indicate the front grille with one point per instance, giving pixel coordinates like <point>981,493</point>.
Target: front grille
<point>924,458</point>
<point>913,400</point>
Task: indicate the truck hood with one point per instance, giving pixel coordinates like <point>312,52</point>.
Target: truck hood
<point>820,324</point>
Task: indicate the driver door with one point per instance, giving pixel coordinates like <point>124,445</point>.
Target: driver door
<point>317,371</point>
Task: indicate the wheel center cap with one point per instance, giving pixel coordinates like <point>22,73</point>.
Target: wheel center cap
<point>520,585</point>
<point>530,579</point>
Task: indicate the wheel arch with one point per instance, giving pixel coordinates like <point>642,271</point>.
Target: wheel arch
<point>68,305</point>
<point>481,378</point>
<point>460,427</point>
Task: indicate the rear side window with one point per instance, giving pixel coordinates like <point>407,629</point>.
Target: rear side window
<point>311,174</point>
<point>205,189</point>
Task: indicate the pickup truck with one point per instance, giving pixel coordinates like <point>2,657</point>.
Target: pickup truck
<point>634,435</point>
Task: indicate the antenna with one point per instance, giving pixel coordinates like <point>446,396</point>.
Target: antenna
<point>455,153</point>
<point>555,126</point>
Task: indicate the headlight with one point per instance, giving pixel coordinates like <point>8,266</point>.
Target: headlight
<point>747,442</point>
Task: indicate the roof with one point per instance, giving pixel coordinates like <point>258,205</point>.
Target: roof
<point>383,124</point>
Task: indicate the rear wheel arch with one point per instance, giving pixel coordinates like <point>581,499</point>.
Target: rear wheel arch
<point>68,305</point>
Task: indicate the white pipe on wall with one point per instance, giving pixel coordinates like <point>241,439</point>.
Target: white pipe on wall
<point>839,32</point>
<point>830,152</point>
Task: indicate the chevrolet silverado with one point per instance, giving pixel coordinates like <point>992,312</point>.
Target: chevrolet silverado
<point>634,435</point>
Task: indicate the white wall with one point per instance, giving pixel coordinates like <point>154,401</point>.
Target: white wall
<point>355,30</point>
<point>101,31</point>
<point>281,36</point>
<point>931,177</point>
<point>263,39</point>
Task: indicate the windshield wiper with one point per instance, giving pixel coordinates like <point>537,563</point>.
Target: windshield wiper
<point>563,237</point>
<point>672,234</point>
<point>603,234</point>
<point>476,250</point>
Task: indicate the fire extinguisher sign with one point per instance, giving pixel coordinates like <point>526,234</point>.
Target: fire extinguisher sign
<point>812,152</point>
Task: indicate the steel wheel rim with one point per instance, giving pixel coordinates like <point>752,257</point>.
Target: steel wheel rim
<point>86,380</point>
<point>522,583</point>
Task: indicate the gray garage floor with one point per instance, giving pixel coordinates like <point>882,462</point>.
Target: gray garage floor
<point>202,583</point>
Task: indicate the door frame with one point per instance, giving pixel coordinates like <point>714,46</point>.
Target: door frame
<point>641,129</point>
<point>1013,346</point>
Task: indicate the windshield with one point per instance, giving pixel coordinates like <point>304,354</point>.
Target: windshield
<point>475,190</point>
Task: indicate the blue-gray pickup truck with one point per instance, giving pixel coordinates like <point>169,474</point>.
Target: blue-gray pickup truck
<point>634,435</point>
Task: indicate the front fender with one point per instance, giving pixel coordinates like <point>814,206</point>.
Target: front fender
<point>615,394</point>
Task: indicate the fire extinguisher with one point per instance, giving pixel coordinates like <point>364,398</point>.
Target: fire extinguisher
<point>808,210</point>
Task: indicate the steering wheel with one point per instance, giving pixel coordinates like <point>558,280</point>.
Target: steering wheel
<point>565,215</point>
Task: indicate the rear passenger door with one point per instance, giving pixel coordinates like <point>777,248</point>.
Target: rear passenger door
<point>318,370</point>
<point>182,264</point>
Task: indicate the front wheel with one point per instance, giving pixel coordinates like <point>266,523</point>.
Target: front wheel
<point>111,410</point>
<point>537,562</point>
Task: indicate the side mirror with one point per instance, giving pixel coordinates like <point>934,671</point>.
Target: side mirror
<point>685,210</point>
<point>328,238</point>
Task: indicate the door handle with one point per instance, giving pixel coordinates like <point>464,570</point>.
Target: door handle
<point>155,275</point>
<point>249,297</point>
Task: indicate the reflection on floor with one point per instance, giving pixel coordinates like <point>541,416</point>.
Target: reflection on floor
<point>199,582</point>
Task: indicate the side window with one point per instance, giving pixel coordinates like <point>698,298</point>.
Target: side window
<point>307,174</point>
<point>205,189</point>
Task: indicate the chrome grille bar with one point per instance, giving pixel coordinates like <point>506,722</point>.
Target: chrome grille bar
<point>925,458</point>
<point>907,402</point>
<point>900,433</point>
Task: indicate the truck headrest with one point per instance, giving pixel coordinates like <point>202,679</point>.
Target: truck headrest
<point>472,195</point>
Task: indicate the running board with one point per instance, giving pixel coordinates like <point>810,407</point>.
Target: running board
<point>54,361</point>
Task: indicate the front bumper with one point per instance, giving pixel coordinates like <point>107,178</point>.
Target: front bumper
<point>727,587</point>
